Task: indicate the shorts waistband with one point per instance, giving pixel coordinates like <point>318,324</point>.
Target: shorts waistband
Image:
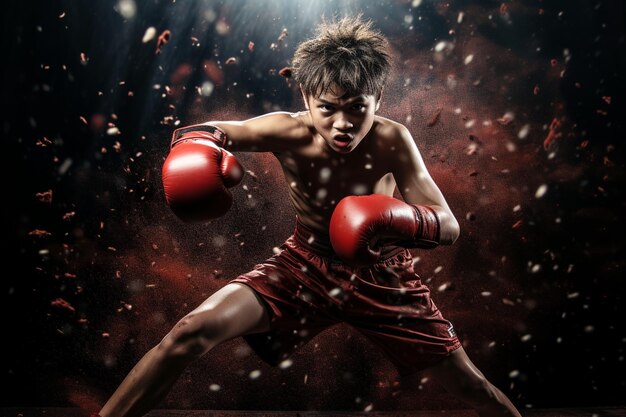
<point>319,244</point>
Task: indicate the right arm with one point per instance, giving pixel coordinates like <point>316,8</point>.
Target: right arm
<point>272,132</point>
<point>200,167</point>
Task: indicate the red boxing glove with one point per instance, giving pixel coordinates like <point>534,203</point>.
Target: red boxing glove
<point>198,171</point>
<point>358,223</point>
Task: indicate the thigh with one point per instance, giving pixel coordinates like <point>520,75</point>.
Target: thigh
<point>233,310</point>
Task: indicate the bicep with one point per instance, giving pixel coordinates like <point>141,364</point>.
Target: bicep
<point>413,179</point>
<point>417,187</point>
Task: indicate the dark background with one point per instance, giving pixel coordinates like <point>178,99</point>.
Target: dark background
<point>97,269</point>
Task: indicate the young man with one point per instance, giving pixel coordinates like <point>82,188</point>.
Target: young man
<point>348,259</point>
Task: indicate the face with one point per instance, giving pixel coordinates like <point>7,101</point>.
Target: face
<point>342,121</point>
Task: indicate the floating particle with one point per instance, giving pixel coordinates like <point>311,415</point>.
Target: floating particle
<point>435,118</point>
<point>126,8</point>
<point>324,175</point>
<point>526,338</point>
<point>214,387</point>
<point>83,58</point>
<point>506,118</point>
<point>335,292</point>
<point>285,364</point>
<point>44,197</point>
<point>536,89</point>
<point>286,72</point>
<point>607,99</point>
<point>222,27</point>
<point>470,216</point>
<point>446,286</point>
<point>552,133</point>
<point>149,34</point>
<point>62,304</point>
<point>554,62</point>
<point>43,142</point>
<point>252,174</point>
<point>195,41</point>
<point>514,373</point>
<point>541,190</point>
<point>255,374</point>
<point>231,61</point>
<point>472,149</point>
<point>468,59</point>
<point>62,15</point>
<point>283,34</point>
<point>486,293</point>
<point>113,131</point>
<point>106,335</point>
<point>250,46</point>
<point>504,8</point>
<point>39,233</point>
<point>163,39</point>
<point>523,132</point>
<point>82,119</point>
<point>517,224</point>
<point>207,88</point>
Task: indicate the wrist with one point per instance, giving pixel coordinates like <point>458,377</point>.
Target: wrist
<point>196,132</point>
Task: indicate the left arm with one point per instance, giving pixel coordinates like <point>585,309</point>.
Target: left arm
<point>417,187</point>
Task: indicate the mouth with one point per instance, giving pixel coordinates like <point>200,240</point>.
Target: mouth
<point>342,141</point>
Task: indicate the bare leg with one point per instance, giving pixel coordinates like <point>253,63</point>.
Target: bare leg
<point>460,377</point>
<point>232,311</point>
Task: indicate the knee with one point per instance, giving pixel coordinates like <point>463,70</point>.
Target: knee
<point>190,338</point>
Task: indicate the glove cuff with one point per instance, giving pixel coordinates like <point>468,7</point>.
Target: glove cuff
<point>428,231</point>
<point>212,133</point>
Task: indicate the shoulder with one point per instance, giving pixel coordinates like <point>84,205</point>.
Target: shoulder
<point>283,119</point>
<point>391,135</point>
<point>285,125</point>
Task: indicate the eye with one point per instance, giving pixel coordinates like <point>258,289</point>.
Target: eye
<point>359,107</point>
<point>325,108</point>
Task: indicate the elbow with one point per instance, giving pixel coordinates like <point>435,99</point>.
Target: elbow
<point>456,232</point>
<point>450,233</point>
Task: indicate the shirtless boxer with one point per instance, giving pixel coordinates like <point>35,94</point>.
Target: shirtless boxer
<point>348,259</point>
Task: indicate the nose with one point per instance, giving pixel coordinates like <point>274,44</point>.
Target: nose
<point>342,123</point>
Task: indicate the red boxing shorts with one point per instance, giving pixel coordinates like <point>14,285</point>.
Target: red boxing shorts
<point>306,289</point>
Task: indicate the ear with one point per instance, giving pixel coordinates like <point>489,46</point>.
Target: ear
<point>380,96</point>
<point>304,98</point>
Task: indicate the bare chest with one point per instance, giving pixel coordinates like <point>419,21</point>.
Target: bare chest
<point>318,181</point>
